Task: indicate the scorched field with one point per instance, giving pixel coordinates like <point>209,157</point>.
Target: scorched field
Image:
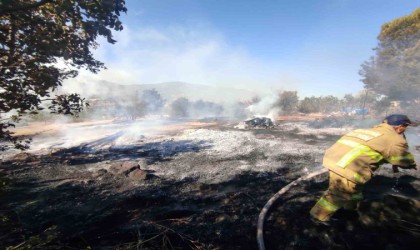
<point>192,185</point>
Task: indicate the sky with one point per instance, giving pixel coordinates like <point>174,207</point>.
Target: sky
<point>314,47</point>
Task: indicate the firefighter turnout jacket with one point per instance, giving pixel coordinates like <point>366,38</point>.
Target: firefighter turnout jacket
<point>356,155</point>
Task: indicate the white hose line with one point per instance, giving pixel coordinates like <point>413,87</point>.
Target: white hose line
<point>261,217</point>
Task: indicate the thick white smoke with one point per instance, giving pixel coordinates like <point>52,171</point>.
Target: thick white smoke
<point>266,107</point>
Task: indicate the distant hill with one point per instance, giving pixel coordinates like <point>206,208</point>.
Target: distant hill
<point>168,90</point>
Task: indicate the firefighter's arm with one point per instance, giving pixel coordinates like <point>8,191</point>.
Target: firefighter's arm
<point>401,157</point>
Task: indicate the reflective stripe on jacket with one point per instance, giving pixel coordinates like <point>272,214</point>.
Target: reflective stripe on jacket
<point>360,152</point>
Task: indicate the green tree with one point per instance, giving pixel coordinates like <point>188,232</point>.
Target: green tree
<point>324,104</point>
<point>37,34</point>
<point>349,101</point>
<point>329,104</point>
<point>394,70</point>
<point>152,101</point>
<point>288,101</point>
<point>180,108</point>
<point>202,109</point>
<point>309,105</point>
<point>134,107</point>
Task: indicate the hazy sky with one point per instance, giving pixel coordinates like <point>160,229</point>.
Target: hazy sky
<point>313,46</point>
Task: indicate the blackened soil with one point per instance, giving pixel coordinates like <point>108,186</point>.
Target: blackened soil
<point>179,215</point>
<point>53,202</point>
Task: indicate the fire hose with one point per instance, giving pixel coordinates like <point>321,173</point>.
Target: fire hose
<point>261,217</point>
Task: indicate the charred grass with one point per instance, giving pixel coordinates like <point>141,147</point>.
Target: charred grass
<point>50,201</point>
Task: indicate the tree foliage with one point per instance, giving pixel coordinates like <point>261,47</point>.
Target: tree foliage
<point>38,35</point>
<point>203,109</point>
<point>394,70</point>
<point>152,101</point>
<point>288,101</point>
<point>138,105</point>
<point>180,108</point>
<point>309,105</point>
<point>325,104</point>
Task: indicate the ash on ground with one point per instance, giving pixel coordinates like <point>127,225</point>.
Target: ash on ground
<point>197,188</point>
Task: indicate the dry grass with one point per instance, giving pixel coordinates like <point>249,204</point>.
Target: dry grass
<point>37,128</point>
<point>41,128</point>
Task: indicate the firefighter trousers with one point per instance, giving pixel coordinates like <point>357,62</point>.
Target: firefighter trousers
<point>341,193</point>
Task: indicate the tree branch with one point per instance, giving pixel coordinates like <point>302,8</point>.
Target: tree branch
<point>8,10</point>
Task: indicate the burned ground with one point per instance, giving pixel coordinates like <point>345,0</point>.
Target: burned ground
<point>204,189</point>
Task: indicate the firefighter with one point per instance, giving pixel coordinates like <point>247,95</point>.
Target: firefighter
<point>353,159</point>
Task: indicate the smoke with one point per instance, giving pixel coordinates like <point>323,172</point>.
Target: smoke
<point>94,135</point>
<point>266,107</point>
<point>413,139</point>
<point>196,54</point>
